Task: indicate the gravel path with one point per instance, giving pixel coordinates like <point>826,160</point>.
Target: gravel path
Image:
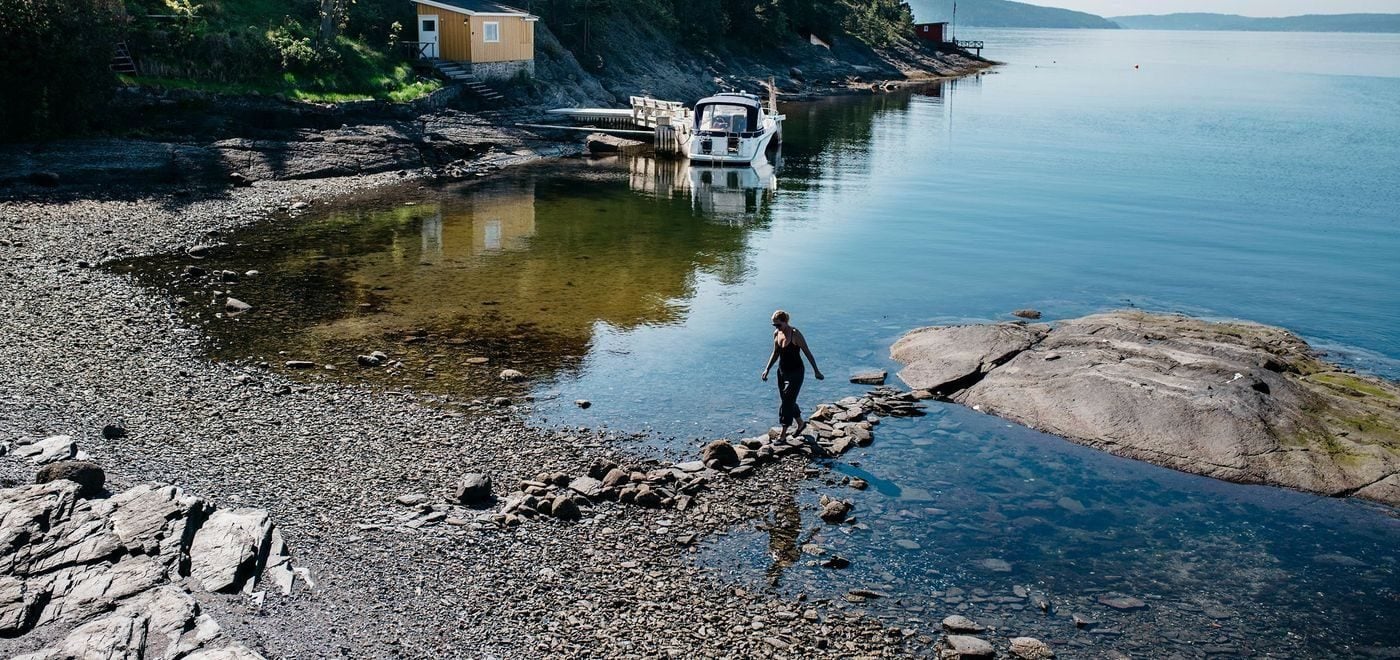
<point>84,348</point>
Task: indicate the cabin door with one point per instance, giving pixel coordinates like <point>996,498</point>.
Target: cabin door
<point>428,29</point>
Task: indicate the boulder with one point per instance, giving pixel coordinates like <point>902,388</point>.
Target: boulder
<point>412,499</point>
<point>564,508</point>
<point>511,376</point>
<point>587,487</point>
<point>113,432</point>
<point>49,450</point>
<point>236,306</point>
<point>602,143</point>
<point>834,510</point>
<point>869,377</point>
<point>615,478</point>
<point>941,359</point>
<point>473,488</point>
<point>225,553</point>
<point>719,454</point>
<point>958,623</point>
<point>1027,313</point>
<point>84,473</point>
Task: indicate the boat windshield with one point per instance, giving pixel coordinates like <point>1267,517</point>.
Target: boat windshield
<point>725,118</point>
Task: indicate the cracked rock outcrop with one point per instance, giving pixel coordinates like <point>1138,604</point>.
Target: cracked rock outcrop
<point>117,577</point>
<point>1238,401</point>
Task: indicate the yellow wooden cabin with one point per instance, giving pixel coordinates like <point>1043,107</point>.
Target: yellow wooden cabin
<point>486,39</point>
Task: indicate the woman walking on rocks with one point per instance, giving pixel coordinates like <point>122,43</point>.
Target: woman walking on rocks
<point>788,348</point>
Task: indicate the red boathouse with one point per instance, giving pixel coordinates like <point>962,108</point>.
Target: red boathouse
<point>935,32</point>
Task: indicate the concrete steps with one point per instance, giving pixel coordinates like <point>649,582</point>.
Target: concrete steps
<point>459,74</point>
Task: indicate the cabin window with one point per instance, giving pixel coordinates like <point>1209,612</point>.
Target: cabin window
<point>429,25</point>
<point>725,118</point>
<point>491,33</point>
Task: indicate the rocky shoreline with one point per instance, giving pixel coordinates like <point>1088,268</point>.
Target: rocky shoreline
<point>90,574</point>
<point>331,464</point>
<point>1237,401</point>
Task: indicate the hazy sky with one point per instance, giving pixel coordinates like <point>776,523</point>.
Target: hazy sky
<point>1245,7</point>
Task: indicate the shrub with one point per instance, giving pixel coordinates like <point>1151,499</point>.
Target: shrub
<point>55,65</point>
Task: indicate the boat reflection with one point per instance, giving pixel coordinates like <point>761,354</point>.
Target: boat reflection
<point>731,194</point>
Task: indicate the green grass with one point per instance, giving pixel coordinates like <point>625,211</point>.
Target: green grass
<point>398,85</point>
<point>1352,385</point>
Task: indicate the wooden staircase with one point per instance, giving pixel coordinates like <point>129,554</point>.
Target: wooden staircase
<point>121,60</point>
<point>457,73</point>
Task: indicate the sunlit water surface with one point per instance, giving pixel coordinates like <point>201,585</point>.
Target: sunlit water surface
<point>1236,176</point>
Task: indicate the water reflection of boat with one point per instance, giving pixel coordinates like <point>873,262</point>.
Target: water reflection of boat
<point>726,193</point>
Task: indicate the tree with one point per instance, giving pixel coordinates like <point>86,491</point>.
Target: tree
<point>333,13</point>
<point>55,66</point>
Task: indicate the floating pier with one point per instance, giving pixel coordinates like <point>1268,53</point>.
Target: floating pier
<point>666,124</point>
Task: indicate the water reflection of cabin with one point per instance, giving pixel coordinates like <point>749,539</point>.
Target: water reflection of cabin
<point>487,222</point>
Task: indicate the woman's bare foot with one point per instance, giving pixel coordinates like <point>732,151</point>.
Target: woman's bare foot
<point>782,435</point>
<point>801,426</point>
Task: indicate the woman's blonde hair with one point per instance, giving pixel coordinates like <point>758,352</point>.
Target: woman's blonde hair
<point>780,315</point>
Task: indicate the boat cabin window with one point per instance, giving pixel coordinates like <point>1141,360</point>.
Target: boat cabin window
<point>724,118</point>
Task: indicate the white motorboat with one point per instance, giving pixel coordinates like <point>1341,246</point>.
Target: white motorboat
<point>733,129</point>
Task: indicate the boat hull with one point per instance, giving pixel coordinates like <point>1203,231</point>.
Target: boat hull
<point>750,150</point>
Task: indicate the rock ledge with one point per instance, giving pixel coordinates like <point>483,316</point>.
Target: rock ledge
<point>1243,402</point>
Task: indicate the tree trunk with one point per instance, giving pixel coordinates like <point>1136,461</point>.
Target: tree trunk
<point>330,21</point>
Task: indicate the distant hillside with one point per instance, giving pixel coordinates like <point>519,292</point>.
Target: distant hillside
<point>1004,13</point>
<point>1309,23</point>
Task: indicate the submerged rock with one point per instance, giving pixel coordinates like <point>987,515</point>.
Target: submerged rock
<point>957,647</point>
<point>1030,648</point>
<point>1121,602</point>
<point>1238,401</point>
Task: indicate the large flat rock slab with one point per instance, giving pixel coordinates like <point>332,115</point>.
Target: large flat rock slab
<point>947,358</point>
<point>1238,401</point>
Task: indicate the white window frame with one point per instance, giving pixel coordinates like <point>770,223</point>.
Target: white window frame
<point>486,36</point>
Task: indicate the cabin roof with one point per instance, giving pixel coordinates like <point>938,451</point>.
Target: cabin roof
<point>476,7</point>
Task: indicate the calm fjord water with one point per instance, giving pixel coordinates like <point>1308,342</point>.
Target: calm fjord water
<point>1247,176</point>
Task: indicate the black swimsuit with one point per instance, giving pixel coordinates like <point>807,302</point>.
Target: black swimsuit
<point>790,374</point>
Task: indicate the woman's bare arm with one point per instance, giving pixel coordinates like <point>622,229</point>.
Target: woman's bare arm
<point>772,357</point>
<point>802,341</point>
